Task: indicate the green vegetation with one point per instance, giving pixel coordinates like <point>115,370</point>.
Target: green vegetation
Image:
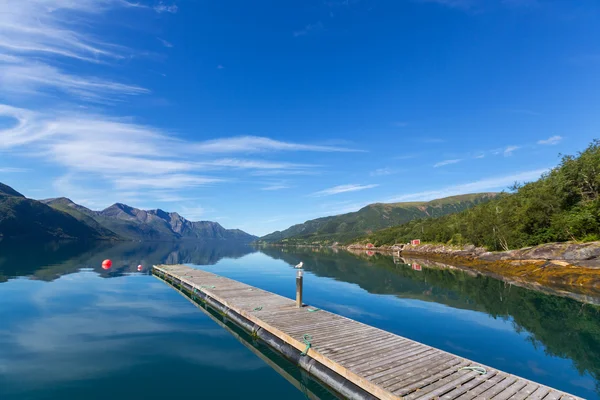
<point>22,217</point>
<point>564,204</point>
<point>346,227</point>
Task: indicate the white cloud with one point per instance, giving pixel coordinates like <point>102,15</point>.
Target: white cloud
<point>161,7</point>
<point>342,189</point>
<point>275,187</point>
<point>496,183</point>
<point>132,156</point>
<point>446,162</point>
<point>255,144</point>
<point>551,140</point>
<point>47,27</point>
<point>34,34</point>
<point>11,170</point>
<point>173,181</point>
<point>400,124</point>
<point>508,151</point>
<point>33,77</point>
<point>165,43</point>
<point>382,172</point>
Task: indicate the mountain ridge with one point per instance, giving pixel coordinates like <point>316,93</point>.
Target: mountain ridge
<point>21,217</point>
<point>376,216</point>
<point>137,224</point>
<point>61,218</point>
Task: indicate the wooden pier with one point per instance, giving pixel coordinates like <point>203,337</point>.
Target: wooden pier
<point>356,360</point>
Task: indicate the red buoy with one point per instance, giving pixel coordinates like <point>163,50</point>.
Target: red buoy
<point>140,268</point>
<point>106,264</point>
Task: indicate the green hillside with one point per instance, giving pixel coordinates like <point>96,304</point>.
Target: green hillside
<point>346,227</point>
<point>564,204</point>
<point>21,217</point>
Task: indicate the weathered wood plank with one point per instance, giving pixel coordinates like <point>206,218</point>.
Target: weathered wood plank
<point>526,391</point>
<point>426,376</point>
<point>469,386</point>
<point>511,390</point>
<point>437,386</point>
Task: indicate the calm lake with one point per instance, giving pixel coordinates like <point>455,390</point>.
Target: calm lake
<point>69,329</point>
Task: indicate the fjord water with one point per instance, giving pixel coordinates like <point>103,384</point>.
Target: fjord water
<point>69,329</point>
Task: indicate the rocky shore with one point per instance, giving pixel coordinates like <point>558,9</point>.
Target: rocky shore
<point>559,265</point>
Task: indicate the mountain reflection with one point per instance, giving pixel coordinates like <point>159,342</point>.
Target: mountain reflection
<point>50,260</point>
<point>565,327</point>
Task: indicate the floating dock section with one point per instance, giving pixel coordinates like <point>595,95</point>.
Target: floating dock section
<point>357,361</point>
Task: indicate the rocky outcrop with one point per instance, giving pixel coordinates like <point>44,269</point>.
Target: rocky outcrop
<point>559,265</point>
<point>551,251</point>
<point>567,251</point>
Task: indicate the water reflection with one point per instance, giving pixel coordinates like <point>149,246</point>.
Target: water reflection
<point>48,261</point>
<point>49,332</point>
<point>562,326</point>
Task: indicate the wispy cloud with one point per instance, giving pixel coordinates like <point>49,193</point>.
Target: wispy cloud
<point>131,155</point>
<point>161,7</point>
<point>36,34</point>
<point>446,162</point>
<point>310,28</point>
<point>256,144</point>
<point>400,124</point>
<point>509,150</point>
<point>173,181</point>
<point>383,172</point>
<point>342,189</point>
<point>12,170</point>
<point>26,77</point>
<point>47,27</point>
<point>551,140</point>
<point>164,42</point>
<point>275,187</point>
<point>220,66</point>
<point>494,183</point>
<point>406,156</point>
<point>506,151</point>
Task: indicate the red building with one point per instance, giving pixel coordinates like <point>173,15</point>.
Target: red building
<point>415,242</point>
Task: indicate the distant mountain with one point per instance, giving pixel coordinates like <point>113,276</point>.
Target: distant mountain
<point>345,227</point>
<point>21,217</point>
<point>135,224</point>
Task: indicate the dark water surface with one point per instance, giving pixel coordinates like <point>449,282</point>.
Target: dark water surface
<point>69,329</point>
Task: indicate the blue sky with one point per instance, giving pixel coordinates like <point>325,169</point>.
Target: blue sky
<point>264,114</point>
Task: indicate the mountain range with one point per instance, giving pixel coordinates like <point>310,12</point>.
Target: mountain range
<point>61,218</point>
<point>346,227</point>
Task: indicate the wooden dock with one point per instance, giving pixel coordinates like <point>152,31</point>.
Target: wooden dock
<point>357,360</point>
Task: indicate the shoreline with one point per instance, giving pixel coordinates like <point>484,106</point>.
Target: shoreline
<point>564,267</point>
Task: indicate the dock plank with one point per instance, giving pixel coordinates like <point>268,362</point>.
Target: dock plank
<point>385,365</point>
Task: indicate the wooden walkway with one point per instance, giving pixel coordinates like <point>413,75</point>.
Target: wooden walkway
<point>385,365</point>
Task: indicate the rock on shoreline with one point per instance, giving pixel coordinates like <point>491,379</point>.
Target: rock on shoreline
<point>567,251</point>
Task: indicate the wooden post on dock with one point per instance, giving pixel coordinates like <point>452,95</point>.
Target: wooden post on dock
<point>299,289</point>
